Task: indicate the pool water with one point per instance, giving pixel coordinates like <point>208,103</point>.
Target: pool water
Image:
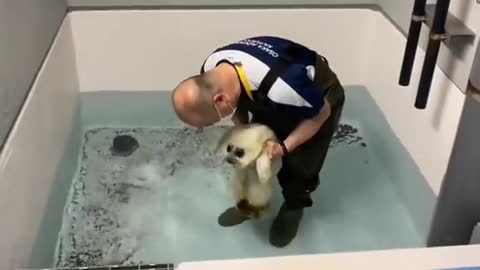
<point>160,204</point>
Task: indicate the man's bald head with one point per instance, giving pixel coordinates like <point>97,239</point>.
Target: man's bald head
<point>193,101</point>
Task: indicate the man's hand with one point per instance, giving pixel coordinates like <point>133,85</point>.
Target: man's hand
<point>274,149</point>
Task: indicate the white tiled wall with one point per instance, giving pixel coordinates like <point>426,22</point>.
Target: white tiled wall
<point>154,50</point>
<point>33,152</point>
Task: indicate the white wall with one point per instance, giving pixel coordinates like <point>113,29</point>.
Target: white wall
<point>456,257</point>
<point>27,29</point>
<point>457,60</point>
<point>206,3</point>
<point>33,151</point>
<point>428,134</point>
<point>154,50</point>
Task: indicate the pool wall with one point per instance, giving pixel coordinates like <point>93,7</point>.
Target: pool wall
<point>34,158</point>
<point>151,50</point>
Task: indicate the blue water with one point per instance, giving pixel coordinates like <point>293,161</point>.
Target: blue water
<point>160,204</point>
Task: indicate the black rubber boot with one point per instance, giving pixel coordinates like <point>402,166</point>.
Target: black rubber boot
<point>231,217</point>
<point>285,225</point>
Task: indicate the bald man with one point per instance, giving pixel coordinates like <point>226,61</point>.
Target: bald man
<point>284,85</point>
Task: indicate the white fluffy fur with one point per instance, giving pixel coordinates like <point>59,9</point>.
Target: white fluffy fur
<point>254,171</point>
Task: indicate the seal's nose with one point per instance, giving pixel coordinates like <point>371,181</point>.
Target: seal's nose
<point>230,160</point>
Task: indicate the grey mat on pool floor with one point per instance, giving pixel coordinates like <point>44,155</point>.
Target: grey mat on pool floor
<point>161,203</point>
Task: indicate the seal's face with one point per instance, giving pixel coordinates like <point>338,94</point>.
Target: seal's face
<point>241,145</point>
<point>234,154</point>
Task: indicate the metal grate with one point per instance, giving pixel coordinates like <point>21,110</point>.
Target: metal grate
<point>168,266</point>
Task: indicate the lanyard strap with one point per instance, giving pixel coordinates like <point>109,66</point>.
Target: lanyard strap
<point>244,80</point>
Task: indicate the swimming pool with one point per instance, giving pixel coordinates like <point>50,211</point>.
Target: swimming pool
<point>377,190</point>
<point>160,204</point>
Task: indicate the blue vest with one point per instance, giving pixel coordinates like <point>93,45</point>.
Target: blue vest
<point>279,72</point>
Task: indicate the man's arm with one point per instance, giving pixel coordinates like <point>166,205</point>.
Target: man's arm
<point>306,129</point>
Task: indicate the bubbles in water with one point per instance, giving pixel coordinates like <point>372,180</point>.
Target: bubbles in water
<point>123,204</point>
<point>126,208</point>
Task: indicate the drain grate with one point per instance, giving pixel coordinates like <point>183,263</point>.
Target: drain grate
<point>167,266</point>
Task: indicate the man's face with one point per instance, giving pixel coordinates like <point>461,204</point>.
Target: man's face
<point>195,118</point>
<point>198,120</point>
<point>188,107</point>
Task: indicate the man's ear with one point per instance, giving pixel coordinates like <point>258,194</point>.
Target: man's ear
<point>219,97</point>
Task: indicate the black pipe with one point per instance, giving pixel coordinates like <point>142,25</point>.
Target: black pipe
<point>437,33</point>
<point>418,17</point>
